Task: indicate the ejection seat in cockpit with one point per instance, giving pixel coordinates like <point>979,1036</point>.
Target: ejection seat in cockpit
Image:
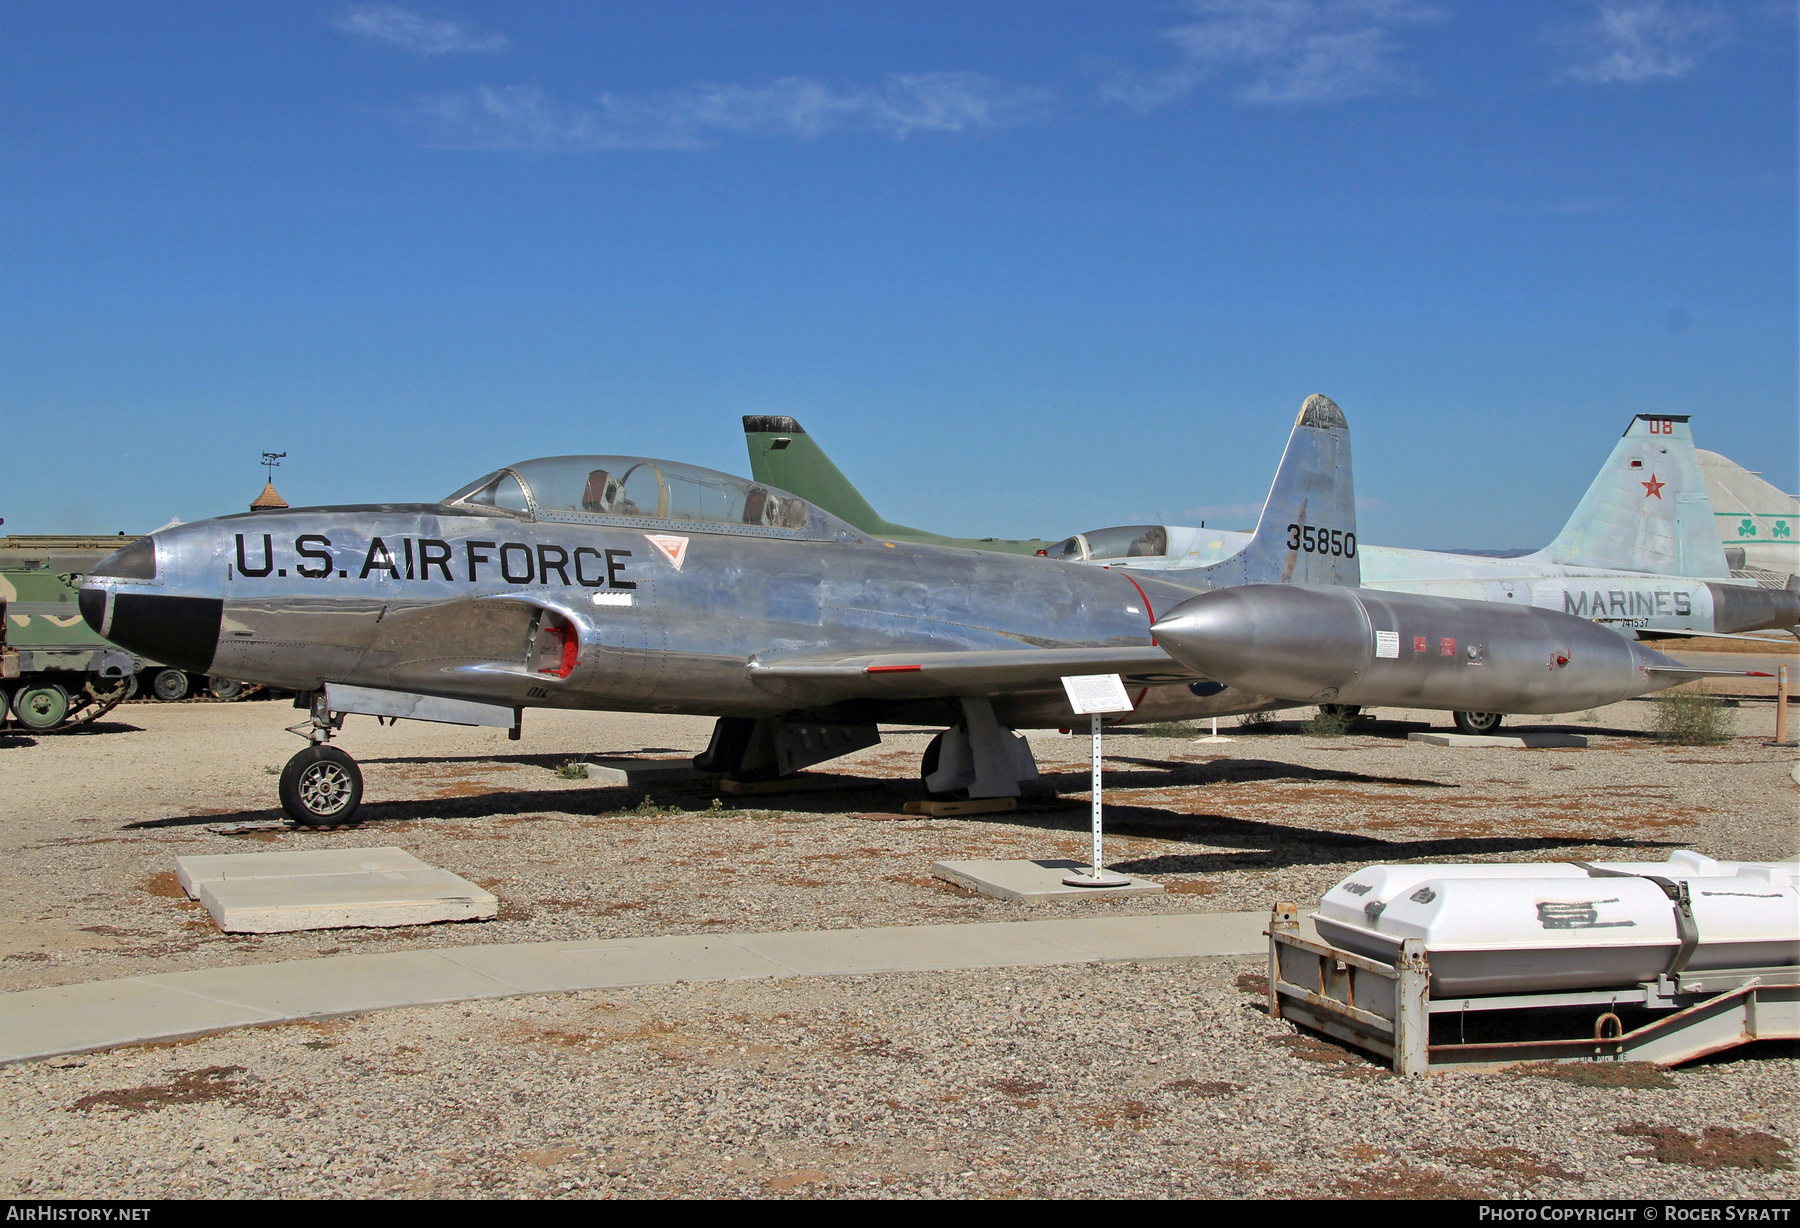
<point>601,492</point>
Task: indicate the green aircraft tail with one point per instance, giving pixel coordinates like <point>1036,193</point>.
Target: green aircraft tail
<point>783,455</point>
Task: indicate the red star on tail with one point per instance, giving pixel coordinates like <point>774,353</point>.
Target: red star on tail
<point>1653,487</point>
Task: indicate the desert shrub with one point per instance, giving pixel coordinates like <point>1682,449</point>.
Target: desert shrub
<point>1691,718</point>
<point>1256,722</point>
<point>1169,729</point>
<point>1329,722</point>
<point>572,769</point>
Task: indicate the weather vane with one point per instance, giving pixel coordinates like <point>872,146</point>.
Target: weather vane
<point>270,461</point>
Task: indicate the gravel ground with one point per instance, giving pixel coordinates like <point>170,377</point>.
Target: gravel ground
<point>1145,1079</point>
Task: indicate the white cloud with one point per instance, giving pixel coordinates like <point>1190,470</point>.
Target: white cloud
<point>522,117</point>
<point>1281,51</point>
<point>1629,41</point>
<point>415,32</point>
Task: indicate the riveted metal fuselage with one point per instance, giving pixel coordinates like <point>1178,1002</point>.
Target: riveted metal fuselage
<point>667,616</point>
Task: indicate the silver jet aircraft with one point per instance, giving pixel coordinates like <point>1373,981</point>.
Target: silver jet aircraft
<point>626,584</point>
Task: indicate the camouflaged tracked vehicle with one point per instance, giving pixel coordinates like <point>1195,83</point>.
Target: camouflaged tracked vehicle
<point>55,671</point>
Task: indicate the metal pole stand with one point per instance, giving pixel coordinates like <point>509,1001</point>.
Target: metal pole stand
<point>1214,736</point>
<point>1781,705</point>
<point>1100,875</point>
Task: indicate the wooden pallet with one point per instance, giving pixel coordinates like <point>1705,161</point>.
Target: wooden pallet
<point>980,805</point>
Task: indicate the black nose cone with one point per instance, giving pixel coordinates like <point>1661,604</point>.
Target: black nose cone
<point>93,608</point>
<point>178,631</point>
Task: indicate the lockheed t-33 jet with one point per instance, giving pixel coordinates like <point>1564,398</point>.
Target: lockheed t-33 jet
<point>627,584</point>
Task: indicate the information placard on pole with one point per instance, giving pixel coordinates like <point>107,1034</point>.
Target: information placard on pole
<point>1095,696</point>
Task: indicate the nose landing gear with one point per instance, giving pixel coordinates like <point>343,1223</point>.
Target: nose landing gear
<point>321,786</point>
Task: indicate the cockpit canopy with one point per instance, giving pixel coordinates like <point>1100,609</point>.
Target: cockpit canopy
<point>1132,541</point>
<point>583,487</point>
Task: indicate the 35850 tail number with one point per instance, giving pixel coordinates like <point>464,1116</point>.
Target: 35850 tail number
<point>1334,542</point>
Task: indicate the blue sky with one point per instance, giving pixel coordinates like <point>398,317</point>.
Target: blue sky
<point>1022,269</point>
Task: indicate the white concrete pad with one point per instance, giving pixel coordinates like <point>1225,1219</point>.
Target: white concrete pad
<point>277,893</point>
<point>1030,882</point>
<point>222,867</point>
<point>1522,741</point>
<point>37,1023</point>
<point>645,771</point>
<point>380,899</point>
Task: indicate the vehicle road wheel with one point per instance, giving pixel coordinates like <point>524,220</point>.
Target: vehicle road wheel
<point>225,688</point>
<point>169,685</point>
<point>41,707</point>
<point>1478,722</point>
<point>321,787</point>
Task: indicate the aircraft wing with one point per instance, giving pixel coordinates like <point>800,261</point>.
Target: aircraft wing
<point>984,672</point>
<point>1657,633</point>
<point>1693,671</point>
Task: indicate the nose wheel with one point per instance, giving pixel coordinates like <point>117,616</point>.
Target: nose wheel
<point>321,787</point>
<point>1478,722</point>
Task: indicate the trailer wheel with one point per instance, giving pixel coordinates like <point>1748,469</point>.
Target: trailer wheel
<point>169,685</point>
<point>1478,722</point>
<point>41,707</point>
<point>321,787</point>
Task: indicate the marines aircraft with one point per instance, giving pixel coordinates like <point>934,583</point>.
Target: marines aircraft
<point>1640,554</point>
<point>627,584</point>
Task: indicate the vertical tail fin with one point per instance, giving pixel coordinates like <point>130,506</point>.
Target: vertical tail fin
<point>1307,531</point>
<point>783,455</point>
<point>1647,509</point>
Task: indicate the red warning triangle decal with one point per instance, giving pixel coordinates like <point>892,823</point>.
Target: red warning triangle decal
<point>674,548</point>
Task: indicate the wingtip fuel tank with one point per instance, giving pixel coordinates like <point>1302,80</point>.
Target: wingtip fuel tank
<point>1316,644</point>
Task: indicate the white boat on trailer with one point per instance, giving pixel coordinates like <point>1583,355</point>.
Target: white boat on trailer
<point>1702,955</point>
<point>1535,927</point>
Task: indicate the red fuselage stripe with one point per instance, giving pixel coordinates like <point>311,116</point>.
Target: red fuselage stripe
<point>893,669</point>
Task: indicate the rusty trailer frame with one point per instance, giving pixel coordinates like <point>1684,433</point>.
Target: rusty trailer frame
<point>1386,1008</point>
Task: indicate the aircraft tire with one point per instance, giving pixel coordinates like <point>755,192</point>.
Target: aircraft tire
<point>928,764</point>
<point>170,685</point>
<point>321,787</point>
<point>1477,722</point>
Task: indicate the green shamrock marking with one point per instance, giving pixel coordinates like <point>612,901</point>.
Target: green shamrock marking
<point>1746,527</point>
<point>1780,530</point>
